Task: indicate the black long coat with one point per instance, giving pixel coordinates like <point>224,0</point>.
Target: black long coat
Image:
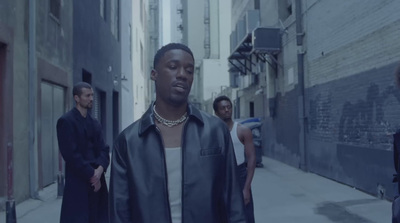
<point>83,148</point>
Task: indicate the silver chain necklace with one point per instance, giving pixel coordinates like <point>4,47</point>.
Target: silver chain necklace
<point>167,122</point>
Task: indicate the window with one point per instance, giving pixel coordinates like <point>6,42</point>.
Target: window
<point>55,6</point>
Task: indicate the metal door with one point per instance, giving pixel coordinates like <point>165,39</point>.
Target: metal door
<point>52,107</point>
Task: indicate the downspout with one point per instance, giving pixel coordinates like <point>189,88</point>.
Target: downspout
<point>301,99</point>
<point>207,30</point>
<point>31,97</point>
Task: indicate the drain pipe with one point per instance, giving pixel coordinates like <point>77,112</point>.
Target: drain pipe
<point>11,216</point>
<point>301,99</point>
<point>207,29</point>
<point>32,93</point>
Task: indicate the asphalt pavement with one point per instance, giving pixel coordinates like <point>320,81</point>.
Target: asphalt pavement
<point>282,194</point>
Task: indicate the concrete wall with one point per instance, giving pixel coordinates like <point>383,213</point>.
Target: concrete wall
<point>51,62</point>
<point>14,85</point>
<point>54,67</point>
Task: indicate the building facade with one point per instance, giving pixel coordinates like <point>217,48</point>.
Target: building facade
<point>97,59</point>
<point>326,93</point>
<point>154,35</point>
<point>127,32</point>
<point>45,47</point>
<point>35,75</point>
<point>206,28</point>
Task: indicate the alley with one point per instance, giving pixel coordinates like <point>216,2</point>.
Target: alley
<point>281,194</point>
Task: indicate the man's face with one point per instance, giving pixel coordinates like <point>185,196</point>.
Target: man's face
<point>173,76</point>
<point>85,100</point>
<point>224,110</point>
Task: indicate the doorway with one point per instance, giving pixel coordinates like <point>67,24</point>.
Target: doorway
<point>52,108</point>
<point>251,109</point>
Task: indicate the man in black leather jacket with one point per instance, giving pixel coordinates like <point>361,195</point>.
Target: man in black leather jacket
<point>175,164</point>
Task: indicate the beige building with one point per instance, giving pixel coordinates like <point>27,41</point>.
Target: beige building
<point>141,69</point>
<point>206,32</point>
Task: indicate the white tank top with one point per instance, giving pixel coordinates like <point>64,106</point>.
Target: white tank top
<point>174,172</point>
<point>237,145</point>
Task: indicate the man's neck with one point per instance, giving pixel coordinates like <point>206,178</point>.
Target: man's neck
<point>81,110</point>
<point>229,123</point>
<point>170,112</point>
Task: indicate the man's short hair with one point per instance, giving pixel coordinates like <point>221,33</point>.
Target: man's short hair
<point>77,90</point>
<point>171,46</point>
<point>218,99</point>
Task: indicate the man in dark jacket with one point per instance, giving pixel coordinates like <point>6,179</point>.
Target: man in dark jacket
<point>80,139</point>
<point>176,164</point>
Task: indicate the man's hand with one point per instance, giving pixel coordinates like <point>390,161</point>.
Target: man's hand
<point>96,186</point>
<point>246,196</point>
<point>97,175</point>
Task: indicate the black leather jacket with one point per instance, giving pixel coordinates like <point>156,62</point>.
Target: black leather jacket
<point>210,187</point>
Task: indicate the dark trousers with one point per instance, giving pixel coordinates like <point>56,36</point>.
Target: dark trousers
<point>249,208</point>
<point>98,203</point>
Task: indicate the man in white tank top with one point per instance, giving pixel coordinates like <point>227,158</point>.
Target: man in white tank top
<point>242,139</point>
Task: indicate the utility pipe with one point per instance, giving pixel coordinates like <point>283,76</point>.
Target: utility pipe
<point>300,70</point>
<point>11,216</point>
<point>32,94</point>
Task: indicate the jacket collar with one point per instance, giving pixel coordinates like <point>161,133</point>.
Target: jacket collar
<point>78,114</point>
<point>147,120</point>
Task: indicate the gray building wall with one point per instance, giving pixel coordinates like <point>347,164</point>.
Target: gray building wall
<point>14,87</point>
<point>97,51</point>
<point>22,115</point>
<point>350,100</point>
<point>54,79</point>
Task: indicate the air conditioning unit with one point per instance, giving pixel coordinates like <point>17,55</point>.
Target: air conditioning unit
<point>266,40</point>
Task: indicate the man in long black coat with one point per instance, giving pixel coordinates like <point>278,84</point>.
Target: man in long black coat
<point>86,156</point>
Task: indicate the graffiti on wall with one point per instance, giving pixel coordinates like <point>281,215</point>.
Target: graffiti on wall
<point>357,122</point>
<point>363,122</point>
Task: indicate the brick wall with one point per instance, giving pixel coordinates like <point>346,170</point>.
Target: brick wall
<point>352,106</point>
